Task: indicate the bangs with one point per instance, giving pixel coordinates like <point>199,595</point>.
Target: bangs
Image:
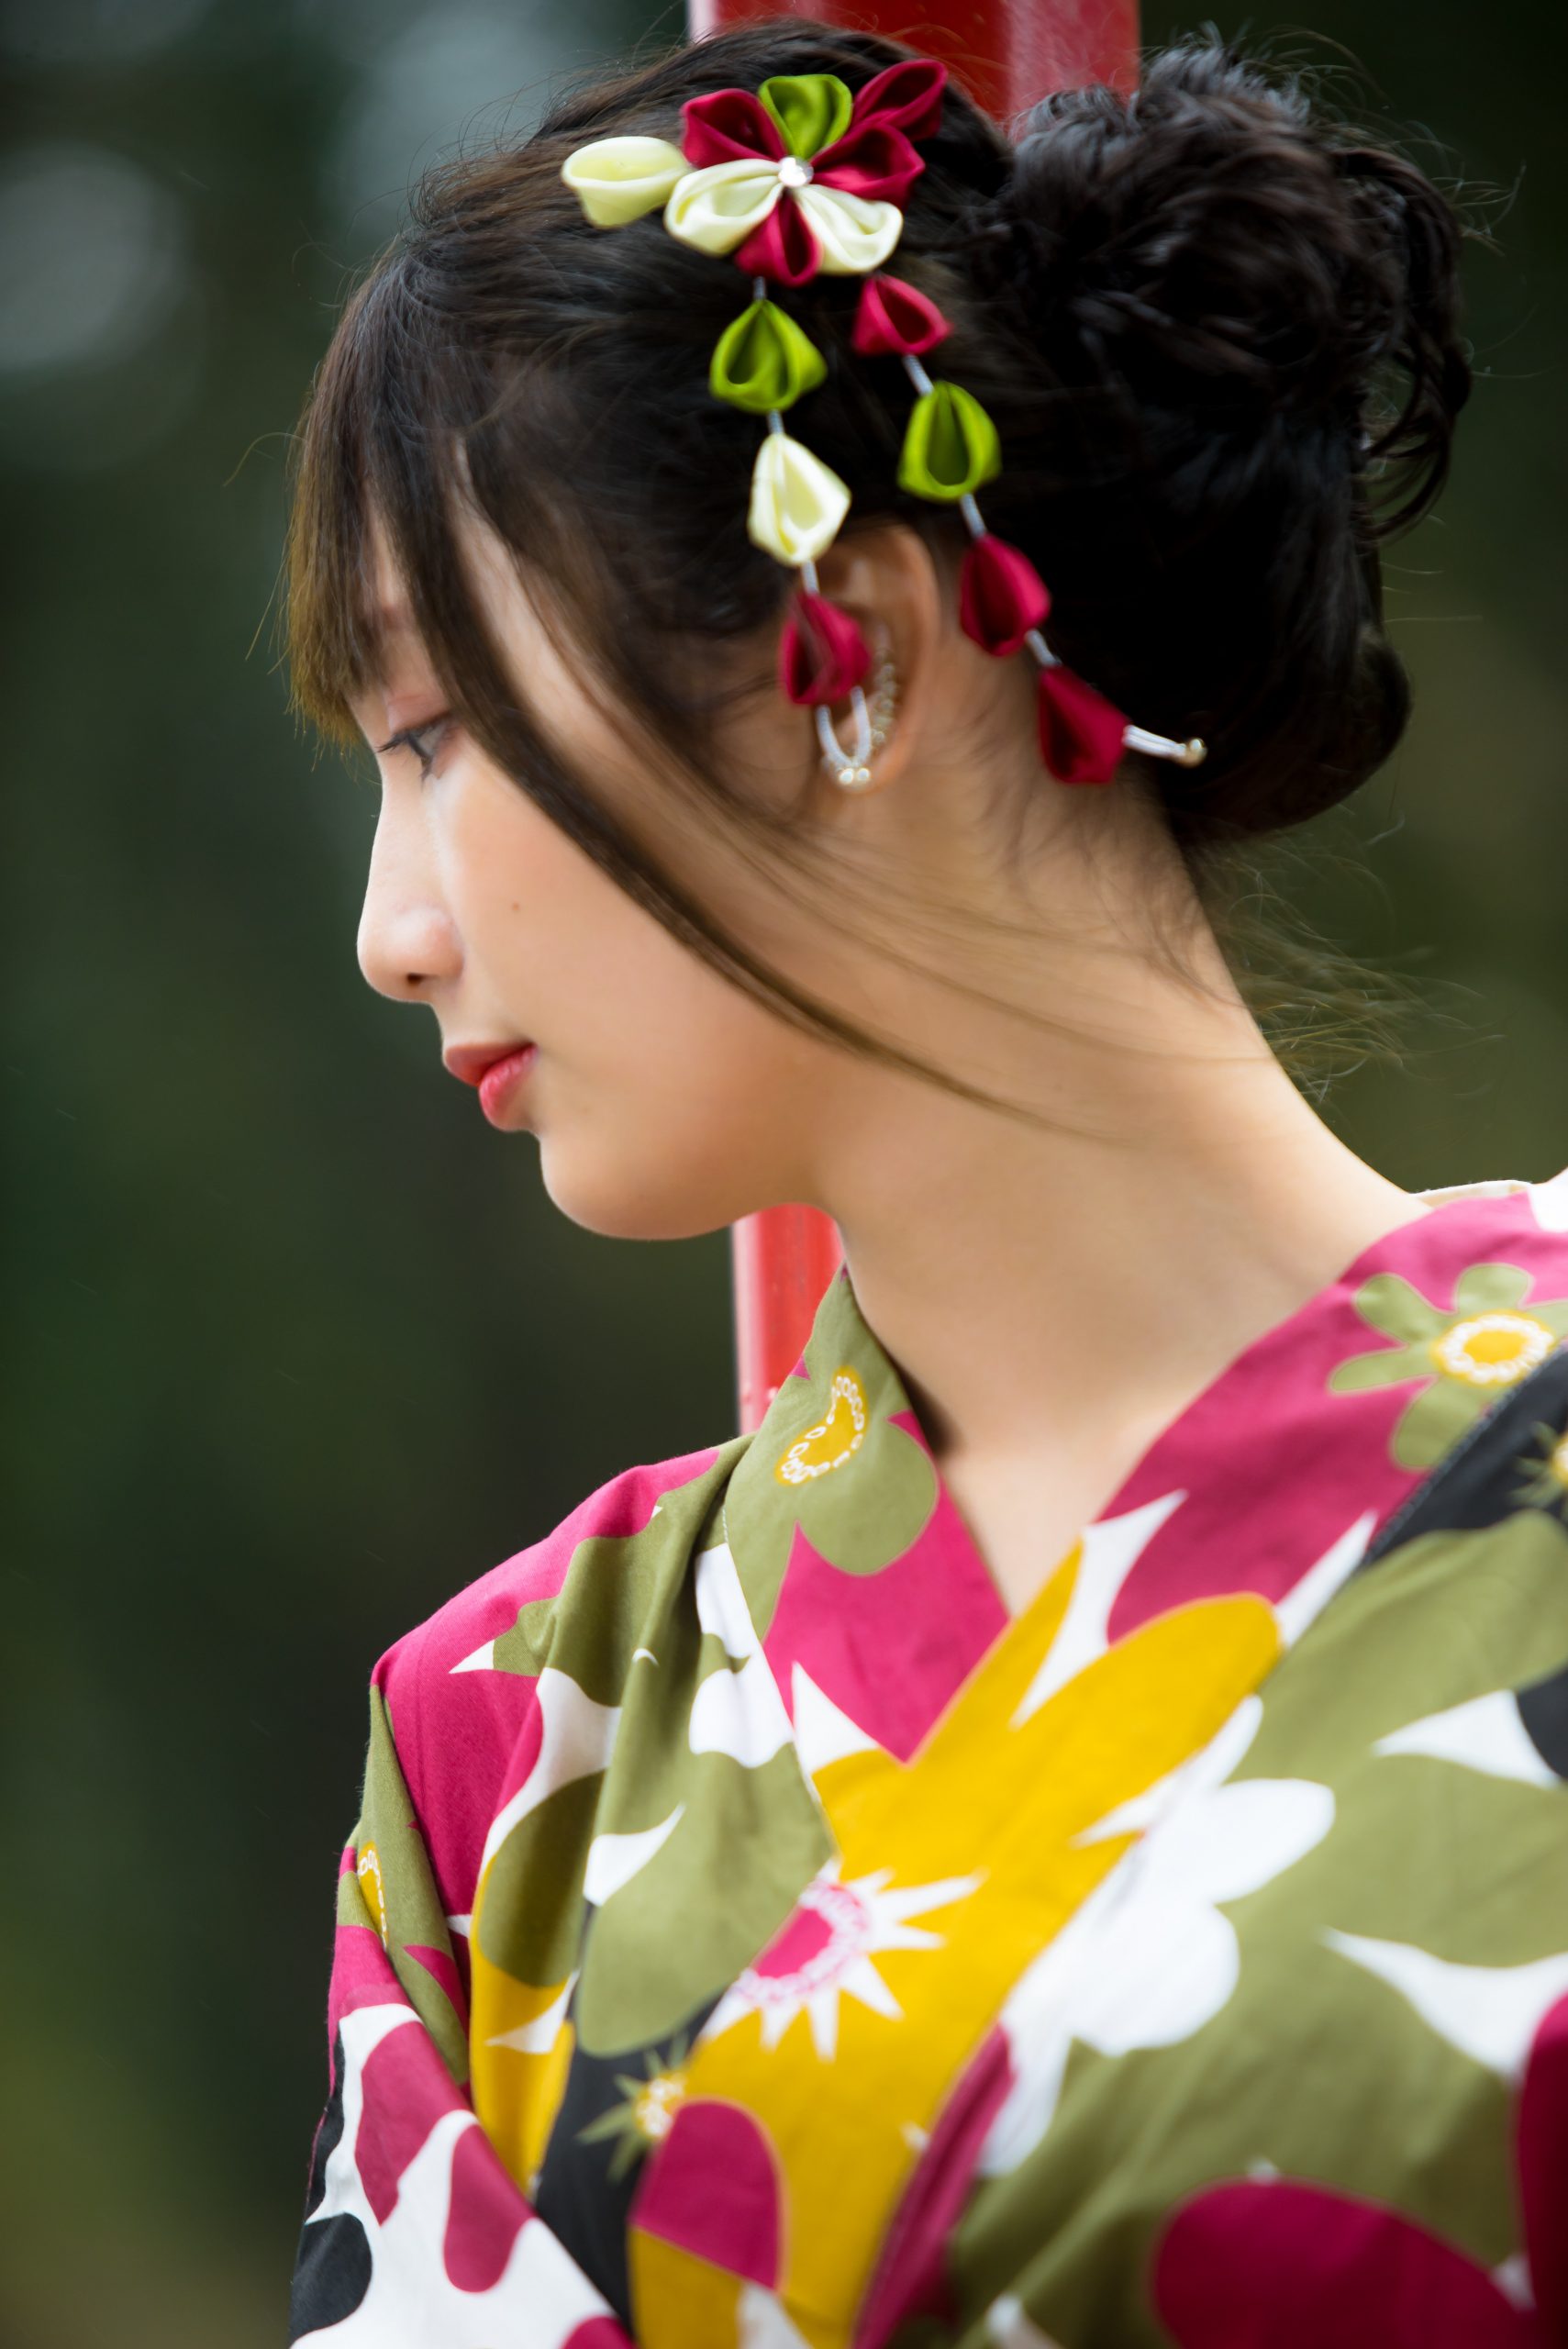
<point>336,630</point>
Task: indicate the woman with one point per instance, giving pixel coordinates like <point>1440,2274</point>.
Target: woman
<point>1058,1837</point>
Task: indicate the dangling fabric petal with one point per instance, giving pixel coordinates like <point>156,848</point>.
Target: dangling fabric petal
<point>725,125</point>
<point>617,180</point>
<point>763,360</point>
<point>716,208</point>
<point>782,247</point>
<point>872,162</point>
<point>892,316</point>
<point>1001,596</point>
<point>907,96</point>
<point>798,502</point>
<point>1080,733</point>
<point>822,654</point>
<point>855,236</point>
<point>951,445</point>
<point>810,109</point>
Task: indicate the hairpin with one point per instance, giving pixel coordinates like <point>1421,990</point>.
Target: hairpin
<point>803,176</point>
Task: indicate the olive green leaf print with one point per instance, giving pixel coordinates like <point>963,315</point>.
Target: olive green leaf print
<point>392,1889</point>
<point>1467,1356</point>
<point>1545,1484</point>
<point>860,1488</point>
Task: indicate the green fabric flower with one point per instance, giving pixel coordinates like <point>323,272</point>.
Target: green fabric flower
<point>763,360</point>
<point>951,445</point>
<point>1469,1355</point>
<point>811,109</point>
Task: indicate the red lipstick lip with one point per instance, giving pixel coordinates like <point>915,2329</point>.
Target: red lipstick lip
<point>469,1062</point>
<point>500,1080</point>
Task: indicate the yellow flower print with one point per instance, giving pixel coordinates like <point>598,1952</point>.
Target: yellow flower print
<point>1468,1356</point>
<point>832,1440</point>
<point>951,1871</point>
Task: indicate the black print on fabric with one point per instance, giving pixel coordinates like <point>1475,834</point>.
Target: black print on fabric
<point>1477,1481</point>
<point>332,2271</point>
<point>1543,1708</point>
<point>610,2116</point>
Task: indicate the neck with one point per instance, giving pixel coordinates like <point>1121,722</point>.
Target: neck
<point>1040,1290</point>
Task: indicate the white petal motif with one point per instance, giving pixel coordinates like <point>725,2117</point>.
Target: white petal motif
<point>1486,1734</point>
<point>1489,2012</point>
<point>616,180</point>
<point>716,209</point>
<point>798,502</point>
<point>856,232</point>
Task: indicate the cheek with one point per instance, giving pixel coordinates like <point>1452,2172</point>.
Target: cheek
<point>666,1101</point>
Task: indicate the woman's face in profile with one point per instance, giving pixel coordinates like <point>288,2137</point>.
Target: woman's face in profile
<point>664,1100</point>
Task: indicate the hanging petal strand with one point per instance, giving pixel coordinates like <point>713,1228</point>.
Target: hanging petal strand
<point>763,361</point>
<point>822,654</point>
<point>798,502</point>
<point>855,236</point>
<point>1080,731</point>
<point>1001,596</point>
<point>726,127</point>
<point>617,180</point>
<point>895,317</point>
<point>716,209</point>
<point>951,445</point>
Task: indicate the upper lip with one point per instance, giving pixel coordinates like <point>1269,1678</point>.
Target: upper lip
<point>470,1061</point>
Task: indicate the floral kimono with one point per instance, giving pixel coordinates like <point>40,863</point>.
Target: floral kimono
<point>755,1938</point>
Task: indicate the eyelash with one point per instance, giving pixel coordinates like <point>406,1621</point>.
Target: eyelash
<point>409,738</point>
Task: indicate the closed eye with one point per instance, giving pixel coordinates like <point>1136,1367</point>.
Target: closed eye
<point>425,742</point>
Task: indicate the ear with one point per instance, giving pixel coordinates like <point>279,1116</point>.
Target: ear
<point>885,578</point>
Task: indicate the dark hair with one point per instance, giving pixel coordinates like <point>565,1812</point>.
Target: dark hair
<point>1218,335</point>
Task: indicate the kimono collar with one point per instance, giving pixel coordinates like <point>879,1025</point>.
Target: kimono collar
<point>867,1587</point>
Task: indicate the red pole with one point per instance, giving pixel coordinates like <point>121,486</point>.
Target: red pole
<point>1007,55</point>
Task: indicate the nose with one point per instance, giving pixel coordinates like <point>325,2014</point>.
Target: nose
<point>407,944</point>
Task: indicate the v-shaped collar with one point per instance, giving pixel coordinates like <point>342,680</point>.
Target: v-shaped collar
<point>875,1603</point>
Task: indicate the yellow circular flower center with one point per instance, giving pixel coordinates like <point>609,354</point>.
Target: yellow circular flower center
<point>655,2106</point>
<point>1493,1349</point>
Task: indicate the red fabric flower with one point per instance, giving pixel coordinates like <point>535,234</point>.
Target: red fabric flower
<point>872,159</point>
<point>1001,596</point>
<point>892,315</point>
<point>821,651</point>
<point>1080,731</point>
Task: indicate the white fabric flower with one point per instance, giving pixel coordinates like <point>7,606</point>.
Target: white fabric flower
<point>716,209</point>
<point>798,502</point>
<point>856,232</point>
<point>617,180</point>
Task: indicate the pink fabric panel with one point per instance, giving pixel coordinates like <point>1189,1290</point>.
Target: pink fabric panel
<point>1268,1429</point>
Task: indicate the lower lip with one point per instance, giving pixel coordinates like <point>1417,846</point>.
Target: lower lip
<point>495,1086</point>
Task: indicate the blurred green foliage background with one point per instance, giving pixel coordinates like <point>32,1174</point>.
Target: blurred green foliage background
<point>296,1345</point>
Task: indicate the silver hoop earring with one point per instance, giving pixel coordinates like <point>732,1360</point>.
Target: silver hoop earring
<point>874,722</point>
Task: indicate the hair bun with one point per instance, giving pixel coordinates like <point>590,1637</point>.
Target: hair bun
<point>1209,239</point>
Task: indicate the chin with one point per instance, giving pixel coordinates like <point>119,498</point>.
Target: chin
<point>632,1200</point>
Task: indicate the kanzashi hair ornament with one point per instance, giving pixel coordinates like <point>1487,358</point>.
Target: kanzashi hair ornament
<point>804,175</point>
